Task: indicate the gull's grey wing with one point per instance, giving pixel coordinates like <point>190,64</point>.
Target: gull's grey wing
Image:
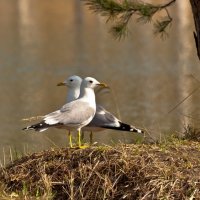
<point>72,114</point>
<point>103,118</point>
<point>79,113</point>
<point>106,120</point>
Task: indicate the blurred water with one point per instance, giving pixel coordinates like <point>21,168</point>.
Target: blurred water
<point>43,42</point>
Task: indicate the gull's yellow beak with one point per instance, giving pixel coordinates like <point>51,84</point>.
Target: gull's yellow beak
<point>103,85</point>
<point>61,84</point>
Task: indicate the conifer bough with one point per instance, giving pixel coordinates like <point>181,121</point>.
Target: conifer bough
<point>119,13</point>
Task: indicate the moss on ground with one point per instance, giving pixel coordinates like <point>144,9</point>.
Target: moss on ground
<point>136,171</point>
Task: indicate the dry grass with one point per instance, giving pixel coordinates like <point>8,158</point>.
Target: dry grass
<point>165,171</point>
<point>191,133</point>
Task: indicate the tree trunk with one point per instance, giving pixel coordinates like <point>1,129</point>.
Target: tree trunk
<point>196,14</point>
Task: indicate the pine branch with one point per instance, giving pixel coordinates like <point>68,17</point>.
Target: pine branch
<point>161,26</point>
<point>120,13</point>
<point>120,29</point>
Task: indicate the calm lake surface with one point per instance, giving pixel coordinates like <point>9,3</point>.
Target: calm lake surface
<point>43,42</point>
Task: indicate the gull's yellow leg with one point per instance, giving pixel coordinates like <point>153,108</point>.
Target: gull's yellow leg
<point>79,141</point>
<point>70,139</point>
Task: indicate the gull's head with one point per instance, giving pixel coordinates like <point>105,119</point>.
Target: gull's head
<point>90,82</point>
<point>72,82</point>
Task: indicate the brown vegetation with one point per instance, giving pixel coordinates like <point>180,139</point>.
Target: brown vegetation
<point>165,171</point>
<point>191,133</point>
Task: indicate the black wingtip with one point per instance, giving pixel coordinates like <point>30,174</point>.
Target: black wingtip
<point>125,127</point>
<point>37,127</point>
<point>137,130</point>
<point>26,128</point>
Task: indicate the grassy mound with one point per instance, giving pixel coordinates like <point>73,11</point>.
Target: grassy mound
<point>167,171</point>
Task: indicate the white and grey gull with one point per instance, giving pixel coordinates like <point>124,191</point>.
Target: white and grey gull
<point>74,115</point>
<point>103,119</point>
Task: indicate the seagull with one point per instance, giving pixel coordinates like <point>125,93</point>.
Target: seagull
<point>103,119</point>
<point>73,83</point>
<point>75,114</point>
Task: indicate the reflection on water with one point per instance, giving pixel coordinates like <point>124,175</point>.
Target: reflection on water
<point>43,42</point>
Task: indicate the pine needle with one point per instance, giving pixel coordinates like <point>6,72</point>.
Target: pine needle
<point>119,13</point>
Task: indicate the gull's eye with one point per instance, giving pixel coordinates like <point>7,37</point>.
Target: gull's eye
<point>91,81</point>
<point>71,80</point>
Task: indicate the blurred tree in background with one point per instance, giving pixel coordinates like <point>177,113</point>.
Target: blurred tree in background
<point>119,13</point>
<point>196,14</point>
